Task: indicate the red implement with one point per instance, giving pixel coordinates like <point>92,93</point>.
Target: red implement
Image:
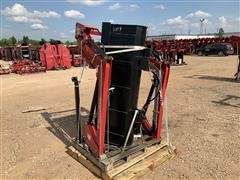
<point>55,56</point>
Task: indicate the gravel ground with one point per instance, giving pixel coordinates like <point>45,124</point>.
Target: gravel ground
<point>203,113</point>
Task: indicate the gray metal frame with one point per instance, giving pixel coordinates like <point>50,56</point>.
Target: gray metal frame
<point>116,157</point>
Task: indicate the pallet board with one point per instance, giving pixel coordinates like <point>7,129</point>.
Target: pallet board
<point>134,168</point>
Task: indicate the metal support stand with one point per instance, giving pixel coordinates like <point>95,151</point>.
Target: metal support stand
<point>77,104</point>
<point>129,130</point>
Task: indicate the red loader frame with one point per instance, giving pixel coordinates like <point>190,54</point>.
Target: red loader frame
<point>93,135</point>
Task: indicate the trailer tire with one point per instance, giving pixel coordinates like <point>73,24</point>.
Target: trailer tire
<point>220,53</point>
<point>200,53</point>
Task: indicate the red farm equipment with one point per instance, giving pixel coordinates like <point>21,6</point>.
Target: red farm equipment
<point>28,52</point>
<point>75,56</point>
<point>235,41</point>
<point>189,46</point>
<point>1,53</point>
<point>55,56</point>
<point>169,49</point>
<point>13,53</point>
<point>8,53</point>
<point>25,59</point>
<point>25,66</point>
<point>116,129</point>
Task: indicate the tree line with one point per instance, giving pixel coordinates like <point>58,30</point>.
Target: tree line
<point>12,41</point>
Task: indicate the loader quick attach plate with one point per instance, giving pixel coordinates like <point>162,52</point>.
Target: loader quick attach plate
<point>135,165</point>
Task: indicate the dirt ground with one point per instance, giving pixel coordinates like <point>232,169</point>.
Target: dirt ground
<point>203,113</point>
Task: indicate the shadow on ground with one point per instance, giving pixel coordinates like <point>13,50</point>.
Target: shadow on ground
<point>229,100</point>
<point>214,78</point>
<point>64,127</point>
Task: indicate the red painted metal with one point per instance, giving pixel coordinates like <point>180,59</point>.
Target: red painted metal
<point>47,56</point>
<point>77,60</point>
<point>89,51</point>
<point>64,56</point>
<point>26,66</point>
<point>55,56</point>
<point>235,41</point>
<point>95,133</point>
<point>95,60</point>
<point>165,70</point>
<point>189,46</point>
<point>88,31</point>
<point>107,66</point>
<point>146,124</point>
<point>90,134</point>
<point>75,56</point>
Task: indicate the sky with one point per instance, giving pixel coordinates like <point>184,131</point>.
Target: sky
<point>56,19</point>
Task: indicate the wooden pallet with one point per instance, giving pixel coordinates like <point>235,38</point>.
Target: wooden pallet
<point>134,168</point>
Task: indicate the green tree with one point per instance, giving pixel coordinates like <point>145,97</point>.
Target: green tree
<point>42,41</point>
<point>4,42</point>
<point>33,42</point>
<point>25,40</point>
<point>73,43</point>
<point>220,32</point>
<point>53,41</point>
<point>12,41</point>
<point>67,43</point>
